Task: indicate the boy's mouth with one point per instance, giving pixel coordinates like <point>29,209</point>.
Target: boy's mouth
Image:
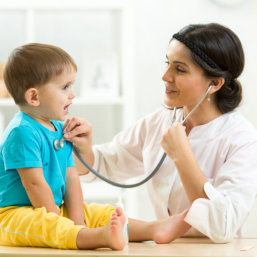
<point>66,107</point>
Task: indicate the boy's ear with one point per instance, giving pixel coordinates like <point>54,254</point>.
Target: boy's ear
<point>32,97</point>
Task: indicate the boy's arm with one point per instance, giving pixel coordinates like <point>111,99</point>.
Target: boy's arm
<point>39,192</point>
<point>73,198</point>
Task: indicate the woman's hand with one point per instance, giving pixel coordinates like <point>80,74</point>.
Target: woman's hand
<point>79,132</point>
<point>175,142</point>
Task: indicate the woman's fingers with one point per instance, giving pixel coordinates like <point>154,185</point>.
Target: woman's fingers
<point>70,124</point>
<point>78,131</point>
<point>65,124</point>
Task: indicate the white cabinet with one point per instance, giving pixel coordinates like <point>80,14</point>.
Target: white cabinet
<point>98,35</point>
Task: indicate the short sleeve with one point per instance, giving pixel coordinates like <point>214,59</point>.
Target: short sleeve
<point>70,160</point>
<point>22,149</point>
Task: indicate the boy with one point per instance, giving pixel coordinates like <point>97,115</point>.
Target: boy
<point>35,178</point>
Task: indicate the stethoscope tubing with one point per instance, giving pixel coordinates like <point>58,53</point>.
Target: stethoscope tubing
<point>159,163</point>
<point>119,184</point>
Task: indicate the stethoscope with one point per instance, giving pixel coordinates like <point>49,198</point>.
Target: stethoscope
<point>60,144</point>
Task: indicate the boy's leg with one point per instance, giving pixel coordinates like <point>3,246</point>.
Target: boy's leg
<point>28,226</point>
<point>96,215</point>
<point>104,227</point>
<point>110,235</point>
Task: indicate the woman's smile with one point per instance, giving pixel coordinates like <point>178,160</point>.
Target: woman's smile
<point>170,91</point>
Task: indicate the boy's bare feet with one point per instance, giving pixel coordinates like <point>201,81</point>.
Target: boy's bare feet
<point>170,229</point>
<point>116,238</point>
<point>110,235</point>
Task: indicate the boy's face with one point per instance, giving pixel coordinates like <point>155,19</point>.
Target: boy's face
<point>56,96</point>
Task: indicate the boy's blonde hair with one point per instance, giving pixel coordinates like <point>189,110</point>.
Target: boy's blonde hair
<point>33,65</point>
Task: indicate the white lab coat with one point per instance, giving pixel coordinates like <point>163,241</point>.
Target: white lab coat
<point>226,151</point>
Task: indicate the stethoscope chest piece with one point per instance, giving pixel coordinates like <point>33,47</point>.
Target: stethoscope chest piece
<point>58,144</point>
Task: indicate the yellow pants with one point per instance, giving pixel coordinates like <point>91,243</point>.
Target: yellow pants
<point>28,226</point>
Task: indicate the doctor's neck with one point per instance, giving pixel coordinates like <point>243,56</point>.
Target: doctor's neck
<point>202,115</point>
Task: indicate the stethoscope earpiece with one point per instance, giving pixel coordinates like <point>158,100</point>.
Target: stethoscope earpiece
<point>58,144</point>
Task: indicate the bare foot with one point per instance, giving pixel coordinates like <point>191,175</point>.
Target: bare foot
<point>116,238</point>
<point>170,229</point>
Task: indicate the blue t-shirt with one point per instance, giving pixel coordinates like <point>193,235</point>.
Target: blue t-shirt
<point>26,143</point>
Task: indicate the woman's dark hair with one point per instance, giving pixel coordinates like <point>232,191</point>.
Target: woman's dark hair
<point>224,48</point>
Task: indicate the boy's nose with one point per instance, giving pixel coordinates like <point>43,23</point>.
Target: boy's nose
<point>72,94</point>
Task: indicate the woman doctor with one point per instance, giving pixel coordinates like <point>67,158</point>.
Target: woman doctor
<point>210,174</point>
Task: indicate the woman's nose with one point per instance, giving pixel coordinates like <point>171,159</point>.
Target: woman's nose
<point>167,76</point>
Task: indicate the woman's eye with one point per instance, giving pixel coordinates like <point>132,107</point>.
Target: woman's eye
<point>167,64</point>
<point>179,69</point>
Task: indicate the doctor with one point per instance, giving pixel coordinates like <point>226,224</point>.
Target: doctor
<point>211,169</point>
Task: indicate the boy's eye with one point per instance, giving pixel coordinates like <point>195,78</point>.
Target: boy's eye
<point>65,87</point>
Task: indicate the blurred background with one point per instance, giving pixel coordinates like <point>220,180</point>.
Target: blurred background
<point>120,47</point>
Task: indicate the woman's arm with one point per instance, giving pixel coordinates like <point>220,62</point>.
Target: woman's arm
<point>176,144</point>
<point>221,208</point>
<point>73,198</point>
<point>38,191</point>
<point>119,159</point>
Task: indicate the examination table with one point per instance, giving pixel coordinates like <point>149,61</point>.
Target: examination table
<point>180,247</point>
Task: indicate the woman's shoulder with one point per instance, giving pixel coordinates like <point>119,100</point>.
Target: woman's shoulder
<point>235,124</point>
<point>148,124</point>
<point>237,119</point>
<point>159,115</point>
<point>155,120</point>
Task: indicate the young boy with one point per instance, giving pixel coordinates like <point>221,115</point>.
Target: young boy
<point>41,200</point>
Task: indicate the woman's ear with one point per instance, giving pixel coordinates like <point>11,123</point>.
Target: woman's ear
<point>217,83</point>
<point>32,97</point>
